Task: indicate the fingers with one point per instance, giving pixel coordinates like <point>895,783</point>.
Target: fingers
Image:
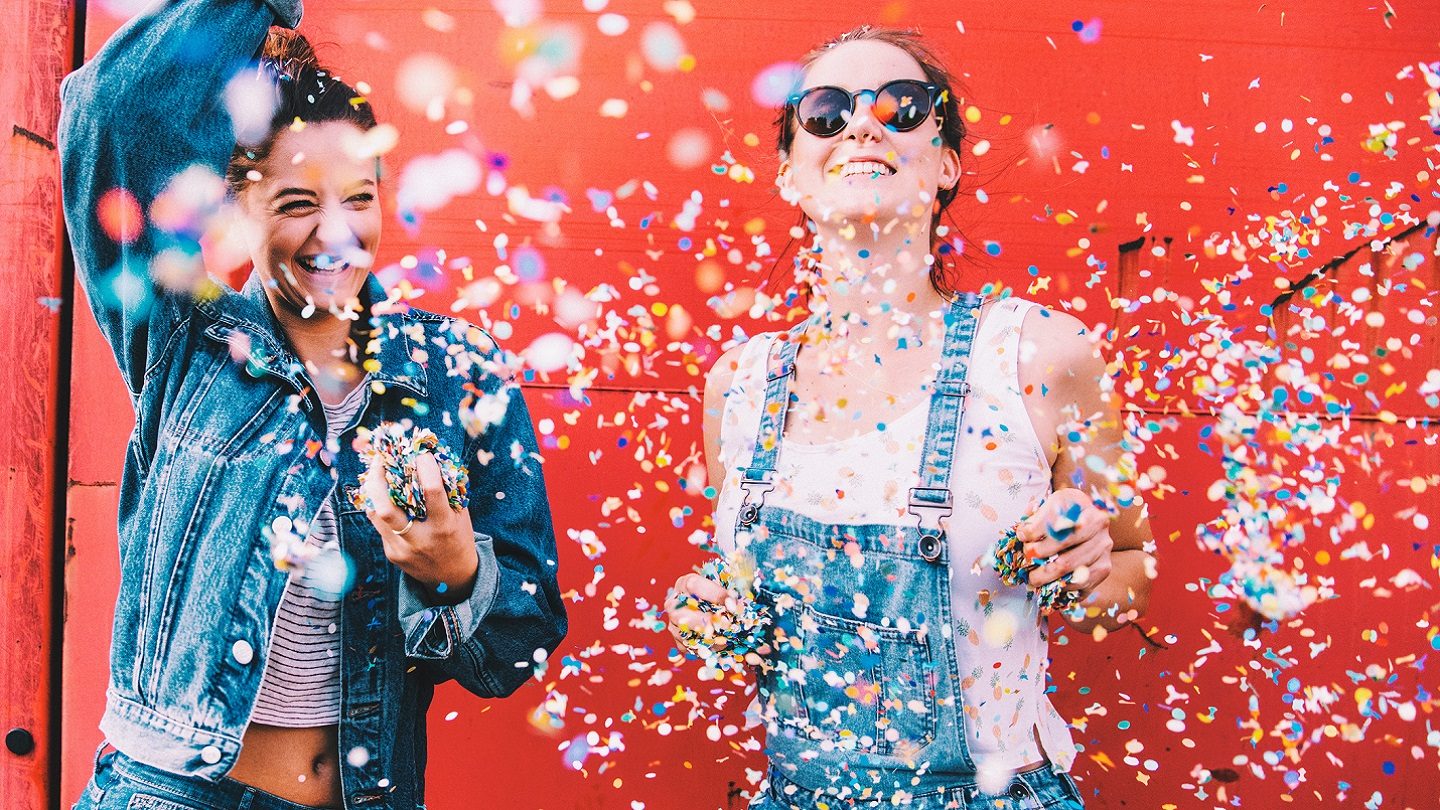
<point>683,619</point>
<point>688,619</point>
<point>1055,517</point>
<point>432,483</point>
<point>1089,564</point>
<point>386,516</point>
<point>1063,521</point>
<point>702,588</point>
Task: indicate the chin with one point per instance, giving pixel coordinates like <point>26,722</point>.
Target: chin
<point>853,215</point>
<point>339,289</point>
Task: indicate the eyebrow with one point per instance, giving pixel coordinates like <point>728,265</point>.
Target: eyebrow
<point>292,191</point>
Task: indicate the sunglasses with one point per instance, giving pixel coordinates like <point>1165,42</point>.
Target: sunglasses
<point>899,106</point>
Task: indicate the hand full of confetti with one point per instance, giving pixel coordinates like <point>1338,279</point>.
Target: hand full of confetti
<point>1008,558</point>
<point>396,446</point>
<point>733,629</point>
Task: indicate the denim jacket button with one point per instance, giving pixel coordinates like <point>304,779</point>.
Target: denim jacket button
<point>243,652</point>
<point>210,754</point>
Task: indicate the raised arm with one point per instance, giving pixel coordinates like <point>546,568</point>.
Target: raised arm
<point>147,107</point>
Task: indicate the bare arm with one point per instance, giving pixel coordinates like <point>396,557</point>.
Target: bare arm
<point>1075,403</point>
<point>717,383</point>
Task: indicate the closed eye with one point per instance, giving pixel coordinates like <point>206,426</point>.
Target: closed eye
<point>296,206</point>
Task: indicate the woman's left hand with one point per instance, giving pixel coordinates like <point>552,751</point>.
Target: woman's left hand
<point>439,551</point>
<point>1070,524</point>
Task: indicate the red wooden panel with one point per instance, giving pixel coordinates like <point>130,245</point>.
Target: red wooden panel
<point>30,274</point>
<point>1116,113</point>
<point>92,578</point>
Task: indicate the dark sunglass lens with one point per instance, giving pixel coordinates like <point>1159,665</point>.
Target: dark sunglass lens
<point>902,105</point>
<point>823,111</point>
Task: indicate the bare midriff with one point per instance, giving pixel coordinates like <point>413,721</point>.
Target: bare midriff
<point>300,765</point>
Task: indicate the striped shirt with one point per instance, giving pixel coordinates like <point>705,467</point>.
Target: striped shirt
<point>301,684</point>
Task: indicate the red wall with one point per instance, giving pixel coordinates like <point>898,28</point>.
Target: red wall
<point>31,245</point>
<point>1198,720</point>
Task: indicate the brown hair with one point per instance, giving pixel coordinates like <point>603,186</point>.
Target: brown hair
<point>304,91</point>
<point>952,123</point>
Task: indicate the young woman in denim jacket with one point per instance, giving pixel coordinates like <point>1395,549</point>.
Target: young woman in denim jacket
<point>868,460</point>
<point>238,461</point>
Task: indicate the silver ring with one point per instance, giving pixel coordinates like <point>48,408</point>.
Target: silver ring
<point>408,524</point>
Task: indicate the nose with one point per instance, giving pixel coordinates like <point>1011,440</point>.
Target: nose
<point>334,231</point>
<point>863,124</point>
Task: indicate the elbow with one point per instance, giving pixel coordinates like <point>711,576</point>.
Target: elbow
<point>73,102</point>
<point>82,96</point>
<point>1122,602</point>
<point>548,637</point>
<point>84,119</point>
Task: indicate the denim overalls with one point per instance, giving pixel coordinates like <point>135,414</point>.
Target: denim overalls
<point>861,694</point>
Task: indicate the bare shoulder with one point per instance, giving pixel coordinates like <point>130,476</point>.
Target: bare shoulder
<point>1060,373</point>
<point>720,376</point>
<point>1057,349</point>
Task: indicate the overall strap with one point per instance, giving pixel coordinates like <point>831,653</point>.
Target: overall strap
<point>931,500</point>
<point>758,478</point>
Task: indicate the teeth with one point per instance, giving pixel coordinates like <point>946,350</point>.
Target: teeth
<point>323,263</point>
<point>870,167</point>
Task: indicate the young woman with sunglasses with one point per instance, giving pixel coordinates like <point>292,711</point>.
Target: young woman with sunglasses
<point>277,636</point>
<point>869,459</point>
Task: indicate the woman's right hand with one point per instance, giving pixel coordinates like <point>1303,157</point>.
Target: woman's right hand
<point>681,618</point>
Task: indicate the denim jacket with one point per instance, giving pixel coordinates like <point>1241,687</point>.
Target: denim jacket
<point>230,438</point>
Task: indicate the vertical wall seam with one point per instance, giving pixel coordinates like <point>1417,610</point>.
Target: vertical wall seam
<point>60,524</point>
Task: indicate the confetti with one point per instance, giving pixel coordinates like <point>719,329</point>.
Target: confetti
<point>395,446</point>
<point>1009,560</point>
<point>730,635</point>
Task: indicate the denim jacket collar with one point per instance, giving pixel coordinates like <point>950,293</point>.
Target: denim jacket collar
<point>248,312</point>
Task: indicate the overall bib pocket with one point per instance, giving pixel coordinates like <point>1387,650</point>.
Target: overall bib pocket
<point>850,685</point>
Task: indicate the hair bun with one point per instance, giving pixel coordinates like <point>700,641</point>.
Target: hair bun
<point>303,91</point>
<point>289,52</point>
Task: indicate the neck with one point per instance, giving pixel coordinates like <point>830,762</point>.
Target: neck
<point>324,345</point>
<point>874,284</point>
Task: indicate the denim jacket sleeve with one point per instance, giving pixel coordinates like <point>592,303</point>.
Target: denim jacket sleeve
<point>488,643</point>
<point>147,107</point>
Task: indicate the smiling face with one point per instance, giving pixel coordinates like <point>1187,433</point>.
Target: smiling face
<point>314,218</point>
<point>868,173</point>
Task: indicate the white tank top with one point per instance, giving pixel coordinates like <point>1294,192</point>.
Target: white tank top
<point>1000,472</point>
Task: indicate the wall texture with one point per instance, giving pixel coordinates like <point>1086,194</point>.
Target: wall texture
<point>31,334</point>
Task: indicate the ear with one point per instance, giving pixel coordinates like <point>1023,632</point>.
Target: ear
<point>782,177</point>
<point>949,168</point>
<point>785,183</point>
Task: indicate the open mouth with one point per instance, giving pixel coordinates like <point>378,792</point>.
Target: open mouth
<point>322,264</point>
<point>865,168</point>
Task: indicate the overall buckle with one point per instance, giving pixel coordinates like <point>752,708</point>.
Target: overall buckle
<point>750,512</point>
<point>939,502</point>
